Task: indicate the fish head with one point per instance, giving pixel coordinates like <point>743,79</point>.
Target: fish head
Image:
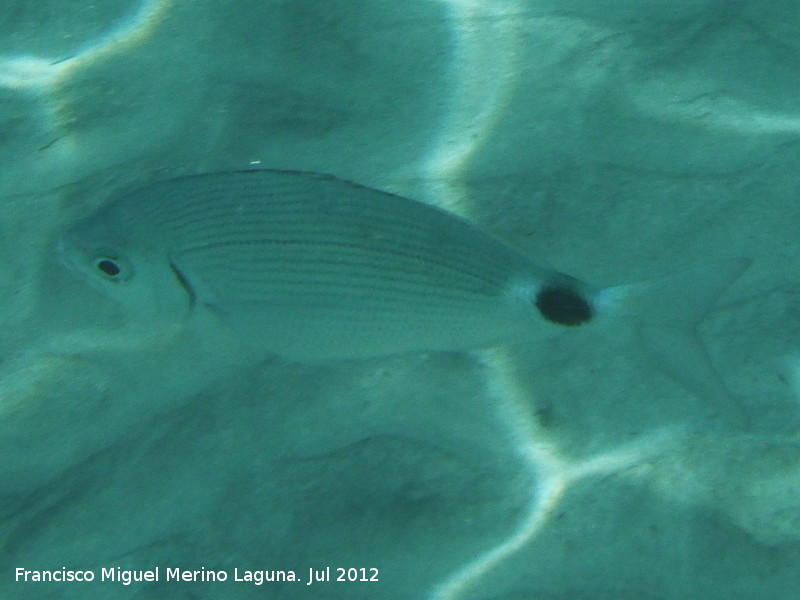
<point>129,265</point>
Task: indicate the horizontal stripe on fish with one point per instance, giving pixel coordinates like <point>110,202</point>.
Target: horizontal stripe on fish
<point>483,264</point>
<point>340,254</point>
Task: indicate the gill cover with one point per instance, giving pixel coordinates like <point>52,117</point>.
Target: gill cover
<point>134,272</point>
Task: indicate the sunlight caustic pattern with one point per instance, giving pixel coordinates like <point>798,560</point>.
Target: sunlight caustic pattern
<point>551,474</point>
<point>41,76</point>
<point>691,102</point>
<point>485,41</point>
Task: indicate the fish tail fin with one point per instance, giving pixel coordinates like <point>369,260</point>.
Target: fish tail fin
<point>666,313</point>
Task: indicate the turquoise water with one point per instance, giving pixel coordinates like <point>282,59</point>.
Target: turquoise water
<point>618,145</point>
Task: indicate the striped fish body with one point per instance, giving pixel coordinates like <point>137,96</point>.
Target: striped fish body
<point>309,266</point>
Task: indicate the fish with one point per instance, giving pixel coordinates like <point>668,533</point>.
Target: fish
<point>309,266</point>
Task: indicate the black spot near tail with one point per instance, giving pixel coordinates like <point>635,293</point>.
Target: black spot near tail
<point>563,306</point>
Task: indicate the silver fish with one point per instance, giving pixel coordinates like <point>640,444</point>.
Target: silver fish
<point>310,266</point>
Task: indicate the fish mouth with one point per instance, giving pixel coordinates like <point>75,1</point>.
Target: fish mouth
<point>74,258</point>
<point>63,252</point>
<point>72,255</point>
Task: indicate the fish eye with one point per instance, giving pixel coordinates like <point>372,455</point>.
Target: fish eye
<point>110,267</point>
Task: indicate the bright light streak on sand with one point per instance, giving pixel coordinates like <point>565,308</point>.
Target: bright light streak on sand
<point>484,72</point>
<point>551,474</point>
<point>42,75</point>
<point>679,101</point>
